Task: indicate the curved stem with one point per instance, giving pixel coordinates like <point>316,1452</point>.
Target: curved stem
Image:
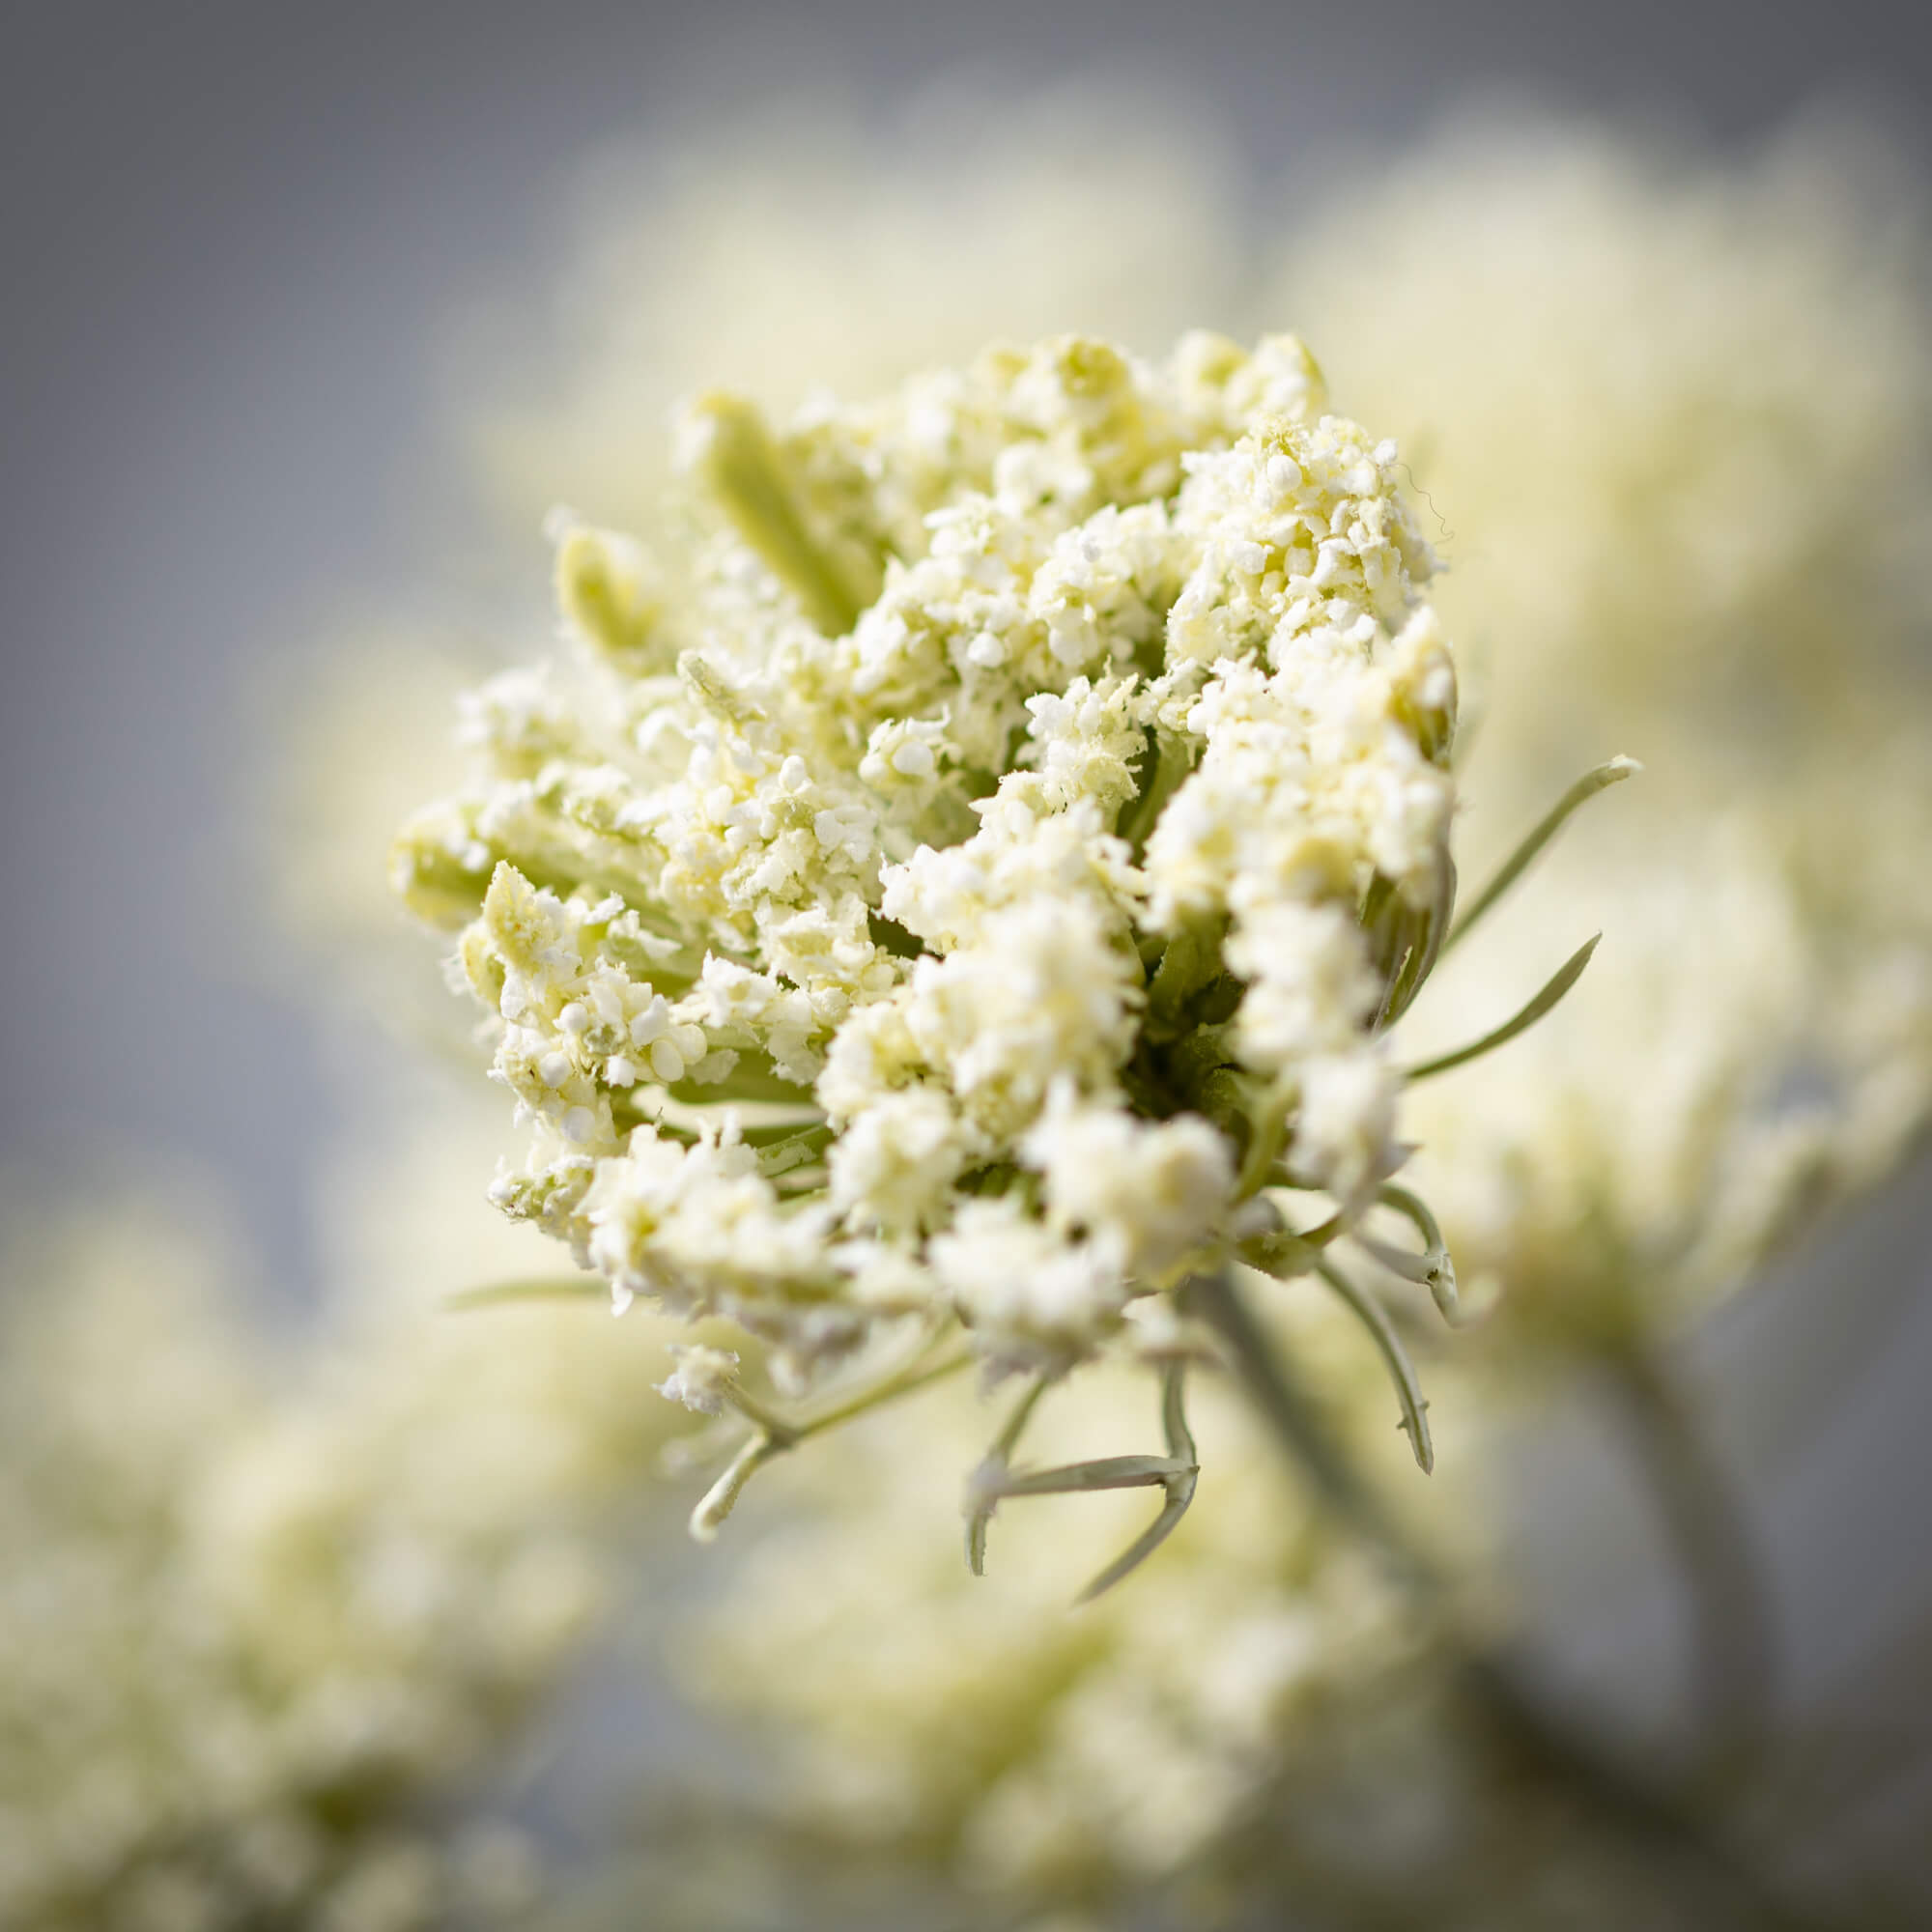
<point>1496,1682</point>
<point>1438,1269</point>
<point>1703,1518</point>
<point>982,1489</point>
<point>1373,1316</point>
<point>772,1435</point>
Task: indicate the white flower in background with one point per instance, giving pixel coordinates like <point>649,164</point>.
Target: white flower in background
<point>858,910</point>
<point>1675,418</point>
<point>1757,1051</point>
<point>806,243</point>
<point>270,1613</point>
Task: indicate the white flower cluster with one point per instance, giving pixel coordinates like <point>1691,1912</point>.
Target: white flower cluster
<point>1653,530</point>
<point>699,1379</point>
<point>1023,802</point>
<point>1661,538</point>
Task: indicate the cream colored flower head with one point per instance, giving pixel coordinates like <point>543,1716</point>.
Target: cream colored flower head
<point>960,863</point>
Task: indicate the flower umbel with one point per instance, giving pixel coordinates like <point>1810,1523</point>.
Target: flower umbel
<point>966,864</point>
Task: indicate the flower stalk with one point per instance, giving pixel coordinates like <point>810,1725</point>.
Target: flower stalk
<point>1498,1683</point>
<point>1734,1651</point>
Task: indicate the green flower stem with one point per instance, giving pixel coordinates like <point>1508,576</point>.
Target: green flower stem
<point>1700,1513</point>
<point>1498,1683</point>
<point>917,1375</point>
<point>772,1435</point>
<point>1267,1141</point>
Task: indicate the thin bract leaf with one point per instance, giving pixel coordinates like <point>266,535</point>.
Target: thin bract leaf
<point>1101,1472</point>
<point>774,1434</point>
<point>1179,1494</point>
<point>1438,1274</point>
<point>1566,976</point>
<point>1184,1472</point>
<point>1547,827</point>
<point>1176,1472</point>
<point>1409,1389</point>
<point>982,1487</point>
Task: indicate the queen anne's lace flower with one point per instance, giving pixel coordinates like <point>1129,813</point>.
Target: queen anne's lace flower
<point>1746,1076</point>
<point>954,884</point>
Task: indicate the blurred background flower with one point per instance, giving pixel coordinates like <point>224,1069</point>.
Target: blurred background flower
<point>280,1604</point>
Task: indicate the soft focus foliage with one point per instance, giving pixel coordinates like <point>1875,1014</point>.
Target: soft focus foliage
<point>267,1614</point>
<point>1753,1049</point>
<point>1675,418</point>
